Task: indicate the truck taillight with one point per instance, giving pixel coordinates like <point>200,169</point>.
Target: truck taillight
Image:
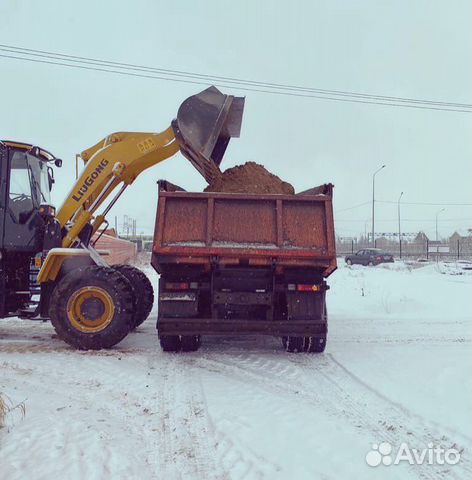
<point>307,288</point>
<point>378,258</point>
<point>177,286</point>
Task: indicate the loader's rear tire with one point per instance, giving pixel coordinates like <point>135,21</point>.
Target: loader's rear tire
<point>143,292</point>
<point>190,343</point>
<point>92,308</point>
<point>170,343</point>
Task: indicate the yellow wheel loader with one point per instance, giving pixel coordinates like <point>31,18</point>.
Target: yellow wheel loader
<point>90,304</point>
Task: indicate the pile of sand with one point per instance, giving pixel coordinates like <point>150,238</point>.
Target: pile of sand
<point>249,178</point>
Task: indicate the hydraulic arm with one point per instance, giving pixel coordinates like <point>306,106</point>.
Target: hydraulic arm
<point>201,131</point>
<point>116,160</point>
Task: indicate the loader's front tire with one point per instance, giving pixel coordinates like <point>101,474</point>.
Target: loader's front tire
<point>143,292</point>
<point>92,308</point>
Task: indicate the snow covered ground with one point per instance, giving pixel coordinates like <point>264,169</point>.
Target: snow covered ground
<point>398,368</point>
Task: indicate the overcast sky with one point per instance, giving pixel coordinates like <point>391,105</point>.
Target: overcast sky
<point>411,48</point>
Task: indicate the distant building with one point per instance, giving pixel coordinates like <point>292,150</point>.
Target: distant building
<point>110,232</point>
<point>383,242</point>
<point>461,235</point>
<point>115,250</point>
<point>461,242</point>
<point>421,237</point>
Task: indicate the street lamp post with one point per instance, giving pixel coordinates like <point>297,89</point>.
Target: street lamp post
<point>442,210</point>
<point>399,227</point>
<point>373,204</point>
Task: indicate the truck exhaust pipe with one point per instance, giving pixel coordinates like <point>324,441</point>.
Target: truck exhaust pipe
<point>204,126</point>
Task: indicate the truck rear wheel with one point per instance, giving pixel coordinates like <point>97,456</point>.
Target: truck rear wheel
<point>92,308</point>
<point>293,344</point>
<point>304,344</point>
<point>170,343</point>
<point>315,344</point>
<point>190,343</point>
<point>142,289</point>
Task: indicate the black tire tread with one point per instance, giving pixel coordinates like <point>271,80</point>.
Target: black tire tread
<point>313,345</point>
<point>120,289</point>
<point>170,343</point>
<point>142,289</point>
<point>190,343</point>
<point>295,344</point>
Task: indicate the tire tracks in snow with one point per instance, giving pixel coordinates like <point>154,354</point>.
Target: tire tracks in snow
<point>188,444</point>
<point>192,446</point>
<point>178,442</point>
<point>427,423</point>
<point>339,393</point>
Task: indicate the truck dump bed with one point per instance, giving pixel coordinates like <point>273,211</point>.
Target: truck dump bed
<point>243,229</point>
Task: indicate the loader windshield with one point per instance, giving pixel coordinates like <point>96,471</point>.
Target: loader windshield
<point>39,179</point>
<point>29,186</point>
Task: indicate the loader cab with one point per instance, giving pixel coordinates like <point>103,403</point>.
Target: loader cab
<point>26,179</point>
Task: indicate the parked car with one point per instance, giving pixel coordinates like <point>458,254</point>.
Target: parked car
<point>369,256</point>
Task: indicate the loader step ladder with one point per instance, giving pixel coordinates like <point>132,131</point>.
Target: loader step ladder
<point>31,312</point>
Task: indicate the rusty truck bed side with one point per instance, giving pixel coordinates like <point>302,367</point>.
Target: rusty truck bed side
<point>282,230</point>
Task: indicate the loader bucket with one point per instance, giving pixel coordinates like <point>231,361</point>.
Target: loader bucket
<point>204,125</point>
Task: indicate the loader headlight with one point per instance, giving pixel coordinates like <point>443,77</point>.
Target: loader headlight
<point>47,210</point>
<point>38,261</point>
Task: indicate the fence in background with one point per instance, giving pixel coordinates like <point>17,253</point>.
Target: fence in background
<point>454,250</point>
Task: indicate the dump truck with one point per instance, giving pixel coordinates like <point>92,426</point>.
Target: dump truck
<point>243,264</point>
